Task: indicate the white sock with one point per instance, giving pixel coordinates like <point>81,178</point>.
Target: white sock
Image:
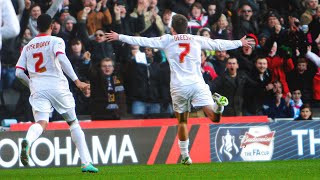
<point>79,140</point>
<point>34,133</point>
<point>184,148</point>
<point>218,109</point>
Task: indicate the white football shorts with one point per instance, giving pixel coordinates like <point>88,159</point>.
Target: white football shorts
<point>197,94</point>
<point>43,102</point>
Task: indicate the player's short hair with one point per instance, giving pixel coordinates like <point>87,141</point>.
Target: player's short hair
<point>43,22</point>
<point>180,24</point>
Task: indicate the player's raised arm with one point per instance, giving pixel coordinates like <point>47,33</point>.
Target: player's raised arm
<point>221,44</point>
<point>9,27</point>
<point>157,42</point>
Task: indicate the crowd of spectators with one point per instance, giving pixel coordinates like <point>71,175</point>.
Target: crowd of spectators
<point>279,76</point>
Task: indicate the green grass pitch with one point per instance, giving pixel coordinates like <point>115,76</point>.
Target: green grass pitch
<point>292,169</point>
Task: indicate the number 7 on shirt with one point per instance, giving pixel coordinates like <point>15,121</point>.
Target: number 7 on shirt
<point>186,51</point>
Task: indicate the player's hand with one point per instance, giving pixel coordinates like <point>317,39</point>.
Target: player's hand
<point>81,85</point>
<point>112,36</point>
<point>247,42</point>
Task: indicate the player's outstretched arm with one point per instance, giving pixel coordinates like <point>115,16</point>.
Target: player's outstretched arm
<point>157,42</point>
<point>10,26</point>
<point>221,44</point>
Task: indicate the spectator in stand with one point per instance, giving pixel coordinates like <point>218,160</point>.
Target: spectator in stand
<point>197,20</point>
<point>166,20</point>
<point>99,48</point>
<point>107,98</point>
<point>314,26</point>
<point>232,85</point>
<point>208,73</point>
<point>307,16</point>
<point>153,25</point>
<point>302,78</point>
<point>56,28</point>
<point>69,31</point>
<point>296,102</point>
<point>279,66</point>
<point>184,7</point>
<point>213,12</point>
<point>277,106</point>
<point>80,59</point>
<point>245,22</point>
<point>142,74</point>
<point>219,62</point>
<point>95,19</point>
<point>35,12</point>
<point>122,21</point>
<point>153,22</point>
<point>272,19</point>
<point>221,29</point>
<point>206,32</point>
<point>137,22</point>
<point>247,55</point>
<point>262,75</point>
<point>305,113</point>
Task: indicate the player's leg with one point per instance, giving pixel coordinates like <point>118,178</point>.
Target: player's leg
<point>181,106</point>
<point>41,107</point>
<point>214,111</point>
<point>78,137</point>
<point>183,136</point>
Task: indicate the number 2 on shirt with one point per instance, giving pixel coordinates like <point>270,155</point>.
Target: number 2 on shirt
<point>186,50</point>
<point>39,56</point>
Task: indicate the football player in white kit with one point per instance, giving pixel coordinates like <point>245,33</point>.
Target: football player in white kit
<point>183,52</point>
<point>45,60</point>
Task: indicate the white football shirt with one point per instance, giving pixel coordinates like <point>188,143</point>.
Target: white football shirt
<point>183,52</point>
<point>39,58</point>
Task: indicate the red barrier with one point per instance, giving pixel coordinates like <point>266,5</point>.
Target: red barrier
<point>141,123</point>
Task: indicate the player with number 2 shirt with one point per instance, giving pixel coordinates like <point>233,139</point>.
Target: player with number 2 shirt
<point>187,86</point>
<point>45,60</point>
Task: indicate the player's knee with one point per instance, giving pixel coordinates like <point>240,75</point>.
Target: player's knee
<point>43,124</point>
<point>182,117</point>
<point>70,116</point>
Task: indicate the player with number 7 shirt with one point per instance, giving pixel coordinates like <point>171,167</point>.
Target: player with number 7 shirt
<point>187,86</point>
<point>45,60</point>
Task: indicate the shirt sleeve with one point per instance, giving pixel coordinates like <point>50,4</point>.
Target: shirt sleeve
<point>314,58</point>
<point>11,27</point>
<point>59,47</point>
<point>218,44</point>
<point>22,62</point>
<point>67,67</point>
<point>157,42</point>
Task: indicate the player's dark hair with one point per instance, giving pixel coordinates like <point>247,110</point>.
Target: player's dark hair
<point>180,24</point>
<point>44,22</point>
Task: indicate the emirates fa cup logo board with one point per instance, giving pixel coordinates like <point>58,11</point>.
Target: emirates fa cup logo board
<point>244,143</point>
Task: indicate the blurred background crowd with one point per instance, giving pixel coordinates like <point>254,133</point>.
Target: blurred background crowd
<point>278,77</point>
